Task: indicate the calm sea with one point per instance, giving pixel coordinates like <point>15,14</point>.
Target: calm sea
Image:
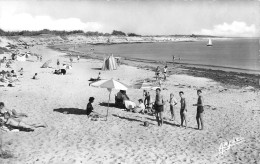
<point>241,54</point>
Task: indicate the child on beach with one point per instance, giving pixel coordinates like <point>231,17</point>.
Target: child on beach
<point>90,108</point>
<point>159,105</point>
<point>147,98</point>
<point>199,116</point>
<point>78,58</point>
<point>183,111</point>
<point>173,103</point>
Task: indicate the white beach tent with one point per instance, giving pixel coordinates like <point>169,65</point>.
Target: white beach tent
<point>21,58</point>
<point>109,63</point>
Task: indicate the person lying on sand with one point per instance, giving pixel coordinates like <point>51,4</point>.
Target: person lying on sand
<point>95,79</point>
<point>9,121</point>
<point>13,112</point>
<point>21,72</point>
<point>35,77</point>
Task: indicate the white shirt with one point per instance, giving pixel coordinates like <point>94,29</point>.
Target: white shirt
<point>164,70</point>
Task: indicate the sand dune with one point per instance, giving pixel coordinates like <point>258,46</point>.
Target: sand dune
<point>73,138</point>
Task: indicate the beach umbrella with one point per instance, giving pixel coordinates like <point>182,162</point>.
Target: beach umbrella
<point>110,84</point>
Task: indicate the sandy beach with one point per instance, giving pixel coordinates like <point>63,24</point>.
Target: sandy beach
<point>230,112</point>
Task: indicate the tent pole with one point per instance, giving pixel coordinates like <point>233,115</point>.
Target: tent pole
<point>108,104</point>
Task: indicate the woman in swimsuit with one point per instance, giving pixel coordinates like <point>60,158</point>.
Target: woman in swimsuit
<point>199,116</point>
<point>19,124</point>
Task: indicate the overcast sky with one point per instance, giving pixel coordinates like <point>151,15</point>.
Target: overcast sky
<point>232,18</point>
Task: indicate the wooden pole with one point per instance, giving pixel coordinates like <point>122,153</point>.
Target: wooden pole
<point>108,104</point>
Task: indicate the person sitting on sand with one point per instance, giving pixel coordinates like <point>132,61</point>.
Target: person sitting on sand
<point>35,77</point>
<point>129,105</point>
<point>21,72</point>
<point>183,111</point>
<point>139,108</point>
<point>63,70</point>
<point>119,98</point>
<point>9,121</point>
<point>13,74</point>
<point>90,108</point>
<point>199,116</point>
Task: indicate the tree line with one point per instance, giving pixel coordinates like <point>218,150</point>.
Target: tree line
<point>62,33</point>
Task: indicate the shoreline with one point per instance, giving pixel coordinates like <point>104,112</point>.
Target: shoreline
<point>226,78</point>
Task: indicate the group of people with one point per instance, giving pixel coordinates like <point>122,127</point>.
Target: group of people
<point>13,120</point>
<point>62,70</point>
<point>160,103</point>
<point>158,72</point>
<point>159,106</point>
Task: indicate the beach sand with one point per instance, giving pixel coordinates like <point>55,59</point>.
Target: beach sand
<point>73,138</point>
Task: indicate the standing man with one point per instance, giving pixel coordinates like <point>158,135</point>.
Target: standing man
<point>165,72</point>
<point>78,58</point>
<point>183,111</point>
<point>199,116</point>
<point>158,105</point>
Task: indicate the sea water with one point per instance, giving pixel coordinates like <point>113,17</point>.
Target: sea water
<point>241,54</point>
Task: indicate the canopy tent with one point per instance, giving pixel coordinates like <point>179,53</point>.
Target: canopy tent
<point>109,63</point>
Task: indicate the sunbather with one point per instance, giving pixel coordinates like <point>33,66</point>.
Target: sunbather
<point>9,121</point>
<point>13,112</point>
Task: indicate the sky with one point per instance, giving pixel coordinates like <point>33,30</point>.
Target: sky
<point>144,17</point>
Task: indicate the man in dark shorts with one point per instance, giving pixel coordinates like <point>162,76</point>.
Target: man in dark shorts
<point>199,116</point>
<point>183,111</point>
<point>89,106</point>
<point>158,105</point>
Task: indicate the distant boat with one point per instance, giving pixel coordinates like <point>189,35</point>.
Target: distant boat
<point>210,43</point>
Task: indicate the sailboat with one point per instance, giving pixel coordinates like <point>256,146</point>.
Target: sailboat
<point>210,43</point>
